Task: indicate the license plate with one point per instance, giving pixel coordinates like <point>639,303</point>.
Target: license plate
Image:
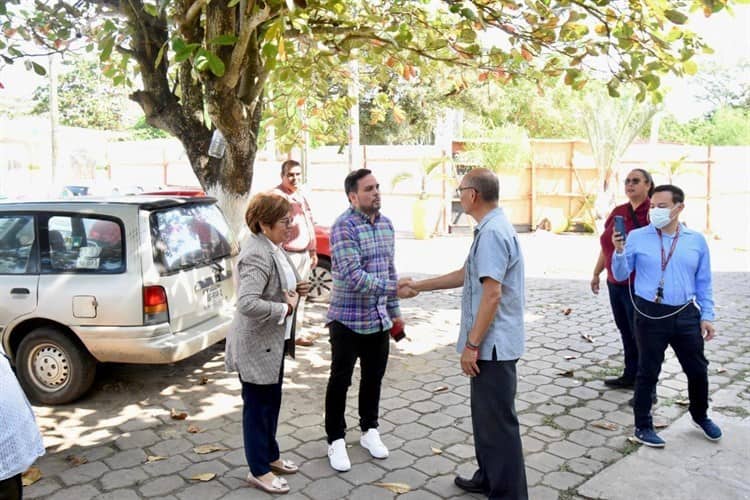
<point>212,296</point>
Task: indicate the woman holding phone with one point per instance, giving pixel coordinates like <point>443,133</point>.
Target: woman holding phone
<point>639,185</point>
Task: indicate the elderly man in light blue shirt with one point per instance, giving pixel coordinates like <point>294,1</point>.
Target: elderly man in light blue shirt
<point>20,441</point>
<point>491,337</point>
<point>674,306</point>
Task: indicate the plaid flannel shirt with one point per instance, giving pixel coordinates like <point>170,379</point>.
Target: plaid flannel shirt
<point>365,283</point>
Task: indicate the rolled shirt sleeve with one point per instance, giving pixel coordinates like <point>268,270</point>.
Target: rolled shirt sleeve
<point>622,264</point>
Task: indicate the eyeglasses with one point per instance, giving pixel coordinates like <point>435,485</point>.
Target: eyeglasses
<point>459,189</point>
<point>633,181</point>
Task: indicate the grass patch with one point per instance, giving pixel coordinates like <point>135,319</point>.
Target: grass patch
<point>549,421</point>
<point>735,411</point>
<point>569,494</point>
<point>629,447</point>
<point>610,372</point>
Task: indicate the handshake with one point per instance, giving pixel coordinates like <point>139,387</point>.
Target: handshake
<point>407,288</point>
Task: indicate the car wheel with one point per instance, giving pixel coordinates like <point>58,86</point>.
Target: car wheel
<point>53,368</point>
<point>321,281</point>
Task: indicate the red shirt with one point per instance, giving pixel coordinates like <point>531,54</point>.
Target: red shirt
<point>605,240</point>
<point>302,229</point>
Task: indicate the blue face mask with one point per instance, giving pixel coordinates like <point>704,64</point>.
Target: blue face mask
<point>660,217</point>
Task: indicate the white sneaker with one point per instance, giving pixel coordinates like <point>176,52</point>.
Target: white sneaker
<point>370,440</point>
<point>338,457</point>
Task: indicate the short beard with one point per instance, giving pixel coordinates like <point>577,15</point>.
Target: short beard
<point>373,210</point>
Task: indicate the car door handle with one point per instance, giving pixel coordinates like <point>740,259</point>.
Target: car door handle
<point>19,291</point>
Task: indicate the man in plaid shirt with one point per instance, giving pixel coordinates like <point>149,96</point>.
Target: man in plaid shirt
<point>364,306</point>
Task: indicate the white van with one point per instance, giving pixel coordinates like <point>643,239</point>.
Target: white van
<point>140,279</point>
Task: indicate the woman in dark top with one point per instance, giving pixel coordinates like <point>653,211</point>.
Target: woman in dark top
<point>638,188</point>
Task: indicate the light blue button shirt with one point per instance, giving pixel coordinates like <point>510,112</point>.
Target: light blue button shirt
<point>688,273</point>
<point>20,441</point>
<point>495,253</point>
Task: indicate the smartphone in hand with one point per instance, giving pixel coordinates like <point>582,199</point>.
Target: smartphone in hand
<point>620,225</point>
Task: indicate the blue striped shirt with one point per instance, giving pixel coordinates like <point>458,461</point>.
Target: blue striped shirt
<point>688,273</point>
<point>365,283</point>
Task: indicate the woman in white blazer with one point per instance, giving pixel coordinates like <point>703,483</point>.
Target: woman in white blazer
<point>262,332</point>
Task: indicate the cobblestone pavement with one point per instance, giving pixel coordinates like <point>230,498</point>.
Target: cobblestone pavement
<point>572,427</point>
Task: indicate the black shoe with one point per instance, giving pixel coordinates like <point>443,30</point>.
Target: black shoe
<point>468,485</point>
<point>654,400</point>
<point>620,383</point>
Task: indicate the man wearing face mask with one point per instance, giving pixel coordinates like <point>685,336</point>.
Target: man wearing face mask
<point>674,306</point>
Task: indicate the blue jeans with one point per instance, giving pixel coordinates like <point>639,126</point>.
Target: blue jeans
<point>260,418</point>
<point>622,310</point>
<point>683,333</point>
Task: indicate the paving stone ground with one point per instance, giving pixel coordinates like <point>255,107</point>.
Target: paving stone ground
<point>573,428</point>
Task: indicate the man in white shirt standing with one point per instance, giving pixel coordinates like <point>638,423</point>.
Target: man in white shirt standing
<point>20,441</point>
<point>301,246</point>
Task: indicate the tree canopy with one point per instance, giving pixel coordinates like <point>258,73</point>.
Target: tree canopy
<point>86,98</point>
<point>197,65</point>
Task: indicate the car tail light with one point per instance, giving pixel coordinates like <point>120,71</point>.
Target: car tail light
<point>155,307</point>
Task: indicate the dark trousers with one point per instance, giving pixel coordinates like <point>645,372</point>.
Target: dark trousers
<point>622,310</point>
<point>260,418</point>
<point>683,333</point>
<point>346,347</point>
<point>497,437</point>
<point>11,488</point>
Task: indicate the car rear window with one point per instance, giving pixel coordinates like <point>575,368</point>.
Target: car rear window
<point>191,235</point>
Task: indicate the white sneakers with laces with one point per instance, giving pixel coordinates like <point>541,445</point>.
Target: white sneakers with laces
<point>370,440</point>
<point>338,457</point>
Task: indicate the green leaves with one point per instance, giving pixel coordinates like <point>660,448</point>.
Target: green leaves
<point>675,16</point>
<point>36,67</point>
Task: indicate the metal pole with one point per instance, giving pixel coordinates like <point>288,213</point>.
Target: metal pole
<point>708,190</point>
<point>54,118</point>
<point>354,154</point>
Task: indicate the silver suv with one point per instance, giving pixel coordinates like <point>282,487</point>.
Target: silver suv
<point>141,279</point>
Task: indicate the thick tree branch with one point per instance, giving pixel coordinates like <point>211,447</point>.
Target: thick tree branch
<point>192,14</point>
<point>239,52</point>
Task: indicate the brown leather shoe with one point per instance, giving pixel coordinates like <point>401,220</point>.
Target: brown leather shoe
<point>301,341</point>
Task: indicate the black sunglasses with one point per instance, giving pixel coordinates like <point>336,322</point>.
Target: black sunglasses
<point>634,181</point>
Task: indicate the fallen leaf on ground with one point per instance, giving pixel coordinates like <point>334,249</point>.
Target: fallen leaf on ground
<point>568,373</point>
<point>154,458</point>
<point>568,358</point>
<point>178,415</point>
<point>441,388</point>
<point>206,476</point>
<point>587,338</point>
<point>633,440</point>
<point>683,402</point>
<point>76,460</point>
<point>660,424</point>
<point>397,488</point>
<point>721,370</point>
<point>208,448</point>
<point>31,476</point>
<point>204,380</point>
<point>437,451</point>
<point>567,311</point>
<point>603,424</point>
<point>194,429</point>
